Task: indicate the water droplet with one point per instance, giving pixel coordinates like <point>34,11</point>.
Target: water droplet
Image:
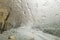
<point>28,6</point>
<point>56,14</point>
<point>19,1</point>
<point>43,23</point>
<point>24,13</point>
<point>46,3</point>
<point>43,17</point>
